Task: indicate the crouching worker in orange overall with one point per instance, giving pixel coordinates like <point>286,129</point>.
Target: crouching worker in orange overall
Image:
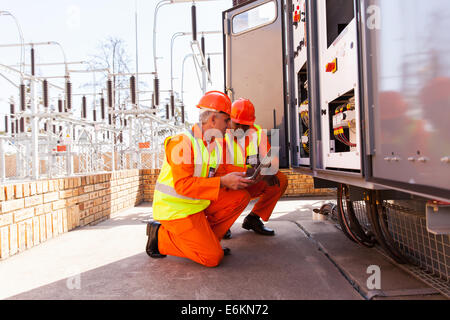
<point>246,143</point>
<point>193,208</point>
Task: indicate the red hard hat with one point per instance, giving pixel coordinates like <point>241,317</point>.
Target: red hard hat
<point>243,112</point>
<point>215,100</point>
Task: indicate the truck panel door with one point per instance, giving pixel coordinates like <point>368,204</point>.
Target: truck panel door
<point>254,63</point>
<point>407,66</point>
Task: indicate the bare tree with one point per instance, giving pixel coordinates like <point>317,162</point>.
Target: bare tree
<point>112,55</point>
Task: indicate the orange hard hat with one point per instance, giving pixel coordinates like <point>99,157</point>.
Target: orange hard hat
<point>215,100</point>
<point>392,105</point>
<point>436,92</point>
<point>243,112</point>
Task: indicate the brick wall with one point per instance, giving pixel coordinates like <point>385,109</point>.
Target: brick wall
<point>149,178</point>
<point>301,185</point>
<point>33,212</point>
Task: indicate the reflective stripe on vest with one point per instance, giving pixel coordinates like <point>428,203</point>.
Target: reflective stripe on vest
<point>167,203</point>
<point>236,151</point>
<point>168,190</point>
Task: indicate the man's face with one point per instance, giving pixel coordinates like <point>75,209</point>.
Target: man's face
<point>222,122</point>
<point>236,126</point>
<point>239,129</point>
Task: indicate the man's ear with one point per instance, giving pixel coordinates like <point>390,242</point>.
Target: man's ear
<point>213,119</point>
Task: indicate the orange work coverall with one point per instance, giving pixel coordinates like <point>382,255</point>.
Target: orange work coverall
<point>268,195</point>
<point>197,237</point>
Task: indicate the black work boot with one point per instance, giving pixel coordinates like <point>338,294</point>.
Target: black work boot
<point>152,242</point>
<point>227,235</point>
<point>226,251</point>
<point>253,222</point>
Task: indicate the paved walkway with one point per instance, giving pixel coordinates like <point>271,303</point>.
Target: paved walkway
<point>108,261</point>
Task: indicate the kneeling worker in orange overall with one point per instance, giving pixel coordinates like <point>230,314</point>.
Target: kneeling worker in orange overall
<point>194,208</point>
<point>244,146</point>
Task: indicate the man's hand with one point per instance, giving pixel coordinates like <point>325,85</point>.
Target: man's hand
<point>235,181</point>
<point>272,181</point>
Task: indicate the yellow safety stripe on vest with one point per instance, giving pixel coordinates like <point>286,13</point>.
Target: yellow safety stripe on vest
<point>204,156</point>
<point>251,148</point>
<point>198,156</point>
<point>259,132</point>
<point>236,151</point>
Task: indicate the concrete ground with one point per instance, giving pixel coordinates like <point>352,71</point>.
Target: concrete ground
<point>306,260</point>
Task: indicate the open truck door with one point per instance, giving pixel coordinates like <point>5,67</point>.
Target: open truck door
<point>254,64</point>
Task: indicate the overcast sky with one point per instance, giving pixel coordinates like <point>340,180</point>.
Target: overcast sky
<point>80,25</point>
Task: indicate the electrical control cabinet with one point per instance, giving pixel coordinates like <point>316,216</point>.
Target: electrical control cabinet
<point>339,82</point>
<point>338,103</point>
<point>254,59</point>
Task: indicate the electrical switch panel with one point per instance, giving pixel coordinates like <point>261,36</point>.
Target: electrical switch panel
<point>301,72</point>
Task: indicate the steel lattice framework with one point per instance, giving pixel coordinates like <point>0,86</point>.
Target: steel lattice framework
<point>44,141</point>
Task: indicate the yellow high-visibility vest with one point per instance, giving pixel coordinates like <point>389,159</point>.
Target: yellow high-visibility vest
<point>236,152</point>
<point>167,203</point>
